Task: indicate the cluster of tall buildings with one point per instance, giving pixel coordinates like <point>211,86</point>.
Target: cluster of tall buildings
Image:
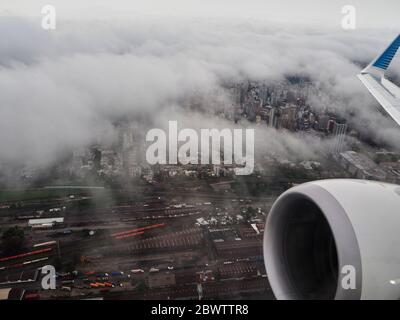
<point>283,106</point>
<point>121,159</point>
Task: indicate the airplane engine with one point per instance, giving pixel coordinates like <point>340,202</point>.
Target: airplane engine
<point>335,239</point>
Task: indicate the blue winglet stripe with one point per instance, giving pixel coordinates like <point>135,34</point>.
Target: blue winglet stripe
<point>384,60</point>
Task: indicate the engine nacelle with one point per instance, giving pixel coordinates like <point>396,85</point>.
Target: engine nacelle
<point>335,239</point>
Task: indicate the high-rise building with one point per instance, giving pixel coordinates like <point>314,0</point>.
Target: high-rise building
<point>323,122</point>
<point>339,132</point>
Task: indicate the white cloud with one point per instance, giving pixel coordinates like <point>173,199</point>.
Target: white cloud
<point>65,88</point>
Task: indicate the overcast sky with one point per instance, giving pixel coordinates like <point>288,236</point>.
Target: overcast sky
<point>370,13</point>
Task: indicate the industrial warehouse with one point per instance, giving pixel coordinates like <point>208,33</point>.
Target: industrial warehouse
<point>159,247</point>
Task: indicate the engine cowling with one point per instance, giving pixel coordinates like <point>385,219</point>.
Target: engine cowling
<point>335,239</point>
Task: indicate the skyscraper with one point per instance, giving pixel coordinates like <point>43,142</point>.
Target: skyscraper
<point>339,132</point>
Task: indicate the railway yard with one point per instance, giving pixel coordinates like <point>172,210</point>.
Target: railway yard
<point>159,246</point>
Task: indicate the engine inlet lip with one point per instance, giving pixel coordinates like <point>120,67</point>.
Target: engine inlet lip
<point>347,247</point>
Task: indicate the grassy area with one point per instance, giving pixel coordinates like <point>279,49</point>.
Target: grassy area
<point>27,195</point>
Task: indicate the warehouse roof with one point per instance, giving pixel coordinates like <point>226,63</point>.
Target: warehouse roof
<point>32,222</point>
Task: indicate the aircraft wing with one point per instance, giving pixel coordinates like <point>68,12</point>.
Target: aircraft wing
<point>388,101</point>
<point>384,91</point>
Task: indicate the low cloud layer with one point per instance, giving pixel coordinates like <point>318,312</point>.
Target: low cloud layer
<point>67,88</point>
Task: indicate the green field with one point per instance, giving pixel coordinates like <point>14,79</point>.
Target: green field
<point>26,195</point>
<point>38,194</point>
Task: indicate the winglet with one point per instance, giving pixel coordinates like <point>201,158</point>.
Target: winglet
<point>381,63</point>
